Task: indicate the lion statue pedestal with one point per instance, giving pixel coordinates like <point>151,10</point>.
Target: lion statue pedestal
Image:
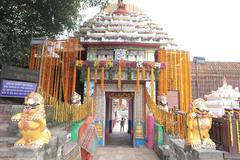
<point>32,122</point>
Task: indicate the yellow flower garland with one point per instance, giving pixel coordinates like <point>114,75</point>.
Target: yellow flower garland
<point>102,80</point>
<point>231,129</point>
<point>143,73</point>
<point>95,75</point>
<point>119,76</point>
<point>152,82</point>
<point>138,81</point>
<point>88,83</point>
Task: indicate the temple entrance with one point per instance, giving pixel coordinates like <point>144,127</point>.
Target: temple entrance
<point>119,118</point>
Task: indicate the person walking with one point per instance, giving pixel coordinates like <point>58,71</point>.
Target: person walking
<point>122,125</point>
<point>87,139</point>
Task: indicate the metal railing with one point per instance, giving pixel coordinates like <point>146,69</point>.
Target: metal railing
<point>225,132</point>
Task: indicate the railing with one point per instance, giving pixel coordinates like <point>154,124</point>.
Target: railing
<point>225,132</point>
<point>174,122</point>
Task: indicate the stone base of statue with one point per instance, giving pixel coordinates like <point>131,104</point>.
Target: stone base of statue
<point>176,150</point>
<point>58,148</point>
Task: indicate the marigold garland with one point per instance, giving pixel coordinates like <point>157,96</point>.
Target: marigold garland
<point>102,80</point>
<point>138,81</point>
<point>119,76</point>
<point>152,82</point>
<point>95,75</point>
<point>231,129</point>
<point>88,83</point>
<point>143,73</point>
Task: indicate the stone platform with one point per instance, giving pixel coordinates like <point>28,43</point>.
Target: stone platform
<point>175,150</point>
<point>59,148</point>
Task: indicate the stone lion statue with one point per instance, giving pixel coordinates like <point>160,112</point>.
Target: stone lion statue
<point>76,99</point>
<point>163,103</point>
<point>199,124</point>
<point>32,122</point>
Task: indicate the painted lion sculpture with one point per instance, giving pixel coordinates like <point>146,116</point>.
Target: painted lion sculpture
<point>32,122</point>
<point>163,102</point>
<point>76,99</point>
<point>199,124</point>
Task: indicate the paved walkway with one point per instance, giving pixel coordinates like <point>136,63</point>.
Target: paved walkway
<point>124,153</point>
<point>119,147</point>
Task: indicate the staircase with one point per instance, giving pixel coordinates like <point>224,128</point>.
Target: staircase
<point>5,118</point>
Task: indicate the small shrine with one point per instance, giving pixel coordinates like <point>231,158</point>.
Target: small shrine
<point>226,97</point>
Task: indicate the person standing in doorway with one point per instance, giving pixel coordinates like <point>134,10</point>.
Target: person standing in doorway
<point>122,125</point>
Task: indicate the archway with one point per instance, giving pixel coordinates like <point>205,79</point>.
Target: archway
<point>119,110</point>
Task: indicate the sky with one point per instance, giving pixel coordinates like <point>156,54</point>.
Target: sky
<point>205,28</point>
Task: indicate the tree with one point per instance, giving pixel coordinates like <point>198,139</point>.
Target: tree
<point>20,20</point>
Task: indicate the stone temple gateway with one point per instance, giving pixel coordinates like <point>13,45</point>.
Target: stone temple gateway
<point>123,35</point>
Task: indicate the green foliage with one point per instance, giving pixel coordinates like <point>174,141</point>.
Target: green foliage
<point>20,20</point>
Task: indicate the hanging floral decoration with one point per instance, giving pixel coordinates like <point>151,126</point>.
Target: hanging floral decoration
<point>157,70</point>
<point>119,76</point>
<point>121,64</point>
<point>96,65</point>
<point>88,83</point>
<point>148,65</point>
<point>102,80</point>
<point>109,65</point>
<point>152,82</point>
<point>138,80</point>
<point>143,73</point>
<point>139,65</point>
<point>79,63</point>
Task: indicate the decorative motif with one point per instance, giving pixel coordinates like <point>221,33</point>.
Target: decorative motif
<point>115,63</point>
<point>32,122</point>
<point>120,95</point>
<point>99,130</point>
<point>139,131</point>
<point>120,54</point>
<point>199,124</point>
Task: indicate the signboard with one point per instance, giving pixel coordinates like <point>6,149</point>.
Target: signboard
<point>19,89</point>
<point>21,74</point>
<point>199,60</point>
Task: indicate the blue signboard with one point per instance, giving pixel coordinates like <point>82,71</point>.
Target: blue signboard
<point>19,89</point>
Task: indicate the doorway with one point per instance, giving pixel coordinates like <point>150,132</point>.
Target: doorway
<point>119,118</point>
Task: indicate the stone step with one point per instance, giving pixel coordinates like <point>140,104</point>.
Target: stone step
<point>7,141</point>
<point>6,153</point>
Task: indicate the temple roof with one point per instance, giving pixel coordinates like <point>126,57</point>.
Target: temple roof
<point>120,26</point>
